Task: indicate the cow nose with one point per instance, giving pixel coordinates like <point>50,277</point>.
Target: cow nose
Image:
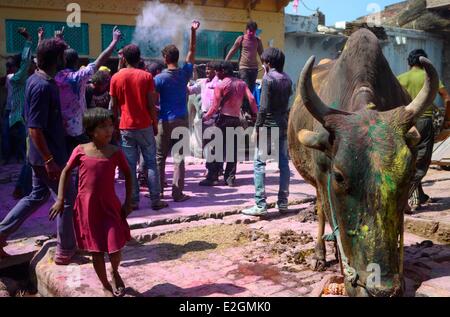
<point>387,288</point>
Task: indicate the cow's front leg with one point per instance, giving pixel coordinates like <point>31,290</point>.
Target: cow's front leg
<point>319,259</point>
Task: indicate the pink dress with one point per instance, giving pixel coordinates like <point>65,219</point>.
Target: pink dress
<point>99,225</point>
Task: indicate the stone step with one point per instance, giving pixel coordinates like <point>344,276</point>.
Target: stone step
<point>436,287</point>
<point>140,223</point>
<point>438,231</point>
<point>150,233</point>
<point>22,251</point>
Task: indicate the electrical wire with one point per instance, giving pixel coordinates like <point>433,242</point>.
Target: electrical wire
<point>307,8</point>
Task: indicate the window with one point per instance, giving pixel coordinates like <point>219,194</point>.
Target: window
<point>148,49</point>
<point>76,37</point>
<point>127,36</point>
<point>215,44</point>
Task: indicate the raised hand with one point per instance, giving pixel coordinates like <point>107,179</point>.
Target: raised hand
<point>195,25</point>
<point>41,33</point>
<point>23,31</point>
<point>117,34</point>
<point>60,33</point>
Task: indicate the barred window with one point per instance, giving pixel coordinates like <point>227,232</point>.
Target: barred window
<point>148,48</point>
<point>76,37</point>
<point>215,44</point>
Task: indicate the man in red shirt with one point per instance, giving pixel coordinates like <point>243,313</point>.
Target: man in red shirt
<point>132,92</point>
<point>228,100</point>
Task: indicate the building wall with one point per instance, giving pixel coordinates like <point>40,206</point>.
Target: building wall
<point>402,41</point>
<point>300,46</point>
<point>446,64</point>
<point>268,13</point>
<point>397,54</point>
<point>438,3</point>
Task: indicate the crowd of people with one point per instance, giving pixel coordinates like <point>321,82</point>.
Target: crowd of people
<point>83,124</point>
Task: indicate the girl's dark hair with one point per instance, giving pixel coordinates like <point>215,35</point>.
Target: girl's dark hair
<point>414,57</point>
<point>274,57</point>
<point>93,117</point>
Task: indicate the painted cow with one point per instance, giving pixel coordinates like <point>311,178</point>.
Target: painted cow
<point>352,136</point>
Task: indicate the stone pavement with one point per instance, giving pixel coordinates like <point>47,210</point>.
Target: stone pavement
<point>432,221</point>
<point>204,247</point>
<point>236,256</point>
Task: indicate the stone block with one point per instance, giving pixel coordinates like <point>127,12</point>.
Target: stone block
<point>9,286</point>
<point>422,227</point>
<point>436,287</point>
<point>443,233</point>
<point>4,294</point>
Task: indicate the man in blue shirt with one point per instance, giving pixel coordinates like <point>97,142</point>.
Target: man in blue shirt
<point>171,85</point>
<point>47,152</point>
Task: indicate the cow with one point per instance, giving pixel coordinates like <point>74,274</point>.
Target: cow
<point>351,135</point>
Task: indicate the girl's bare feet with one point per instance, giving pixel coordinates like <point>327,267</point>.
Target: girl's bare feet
<point>108,290</point>
<point>117,284</point>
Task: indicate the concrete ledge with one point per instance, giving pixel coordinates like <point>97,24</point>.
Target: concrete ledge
<point>22,251</point>
<point>430,229</point>
<point>148,234</point>
<point>436,287</point>
<point>169,220</point>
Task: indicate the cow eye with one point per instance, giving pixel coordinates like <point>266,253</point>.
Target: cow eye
<point>338,176</point>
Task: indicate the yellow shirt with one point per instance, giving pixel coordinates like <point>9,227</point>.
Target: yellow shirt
<point>413,81</point>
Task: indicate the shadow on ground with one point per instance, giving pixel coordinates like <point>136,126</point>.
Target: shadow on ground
<point>161,252</point>
<point>171,290</point>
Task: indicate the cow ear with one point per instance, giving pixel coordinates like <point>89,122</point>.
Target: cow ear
<point>412,137</point>
<point>313,140</point>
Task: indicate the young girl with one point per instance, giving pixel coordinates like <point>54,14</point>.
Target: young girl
<point>99,220</point>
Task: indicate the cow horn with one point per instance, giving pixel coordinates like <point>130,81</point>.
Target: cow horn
<point>312,102</point>
<point>428,92</point>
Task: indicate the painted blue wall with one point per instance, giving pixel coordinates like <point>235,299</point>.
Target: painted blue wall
<point>300,45</point>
